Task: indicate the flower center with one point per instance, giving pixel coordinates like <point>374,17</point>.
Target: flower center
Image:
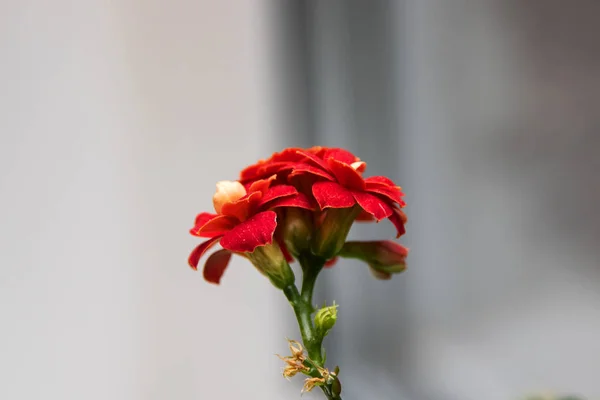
<point>227,192</point>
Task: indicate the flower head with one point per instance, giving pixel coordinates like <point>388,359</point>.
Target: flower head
<point>244,221</point>
<point>323,191</point>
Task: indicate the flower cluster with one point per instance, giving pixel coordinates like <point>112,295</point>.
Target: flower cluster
<point>300,201</point>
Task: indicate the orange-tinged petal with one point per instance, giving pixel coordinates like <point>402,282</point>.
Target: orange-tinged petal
<point>248,235</point>
<point>227,192</point>
<point>261,185</point>
<point>332,195</point>
<point>195,255</point>
<point>242,208</point>
<point>215,266</point>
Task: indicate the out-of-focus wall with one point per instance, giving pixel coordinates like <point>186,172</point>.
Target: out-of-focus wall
<point>501,149</point>
<point>486,113</point>
<point>116,120</point>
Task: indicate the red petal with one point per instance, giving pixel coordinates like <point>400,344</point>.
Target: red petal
<point>256,231</point>
<point>380,180</point>
<point>373,205</point>
<point>305,168</point>
<point>195,255</point>
<point>299,200</point>
<point>273,165</point>
<point>332,194</point>
<point>215,226</point>
<point>393,194</point>
<point>340,155</point>
<point>346,175</point>
<point>398,218</point>
<point>277,192</point>
<point>250,172</point>
<point>316,160</point>
<point>261,185</point>
<point>243,207</point>
<point>215,266</point>
<point>203,218</point>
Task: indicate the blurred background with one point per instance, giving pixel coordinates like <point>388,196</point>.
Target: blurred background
<point>117,118</point>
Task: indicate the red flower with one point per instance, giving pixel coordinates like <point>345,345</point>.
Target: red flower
<point>331,178</point>
<point>345,187</point>
<point>338,184</point>
<point>244,222</point>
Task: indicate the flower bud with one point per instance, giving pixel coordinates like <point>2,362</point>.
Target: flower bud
<point>297,230</point>
<point>384,256</point>
<point>333,231</point>
<point>269,260</point>
<point>227,192</point>
<point>325,319</point>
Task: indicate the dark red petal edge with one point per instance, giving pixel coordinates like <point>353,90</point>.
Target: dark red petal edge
<point>398,218</point>
<point>215,266</point>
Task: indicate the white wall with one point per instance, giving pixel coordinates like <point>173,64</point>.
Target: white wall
<point>116,119</point>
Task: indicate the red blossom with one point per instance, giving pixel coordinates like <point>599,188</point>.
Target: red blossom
<point>337,182</point>
<point>243,224</point>
<point>378,196</point>
<point>315,179</point>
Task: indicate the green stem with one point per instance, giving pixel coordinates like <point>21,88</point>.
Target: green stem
<point>303,311</point>
<point>311,266</point>
<point>303,308</point>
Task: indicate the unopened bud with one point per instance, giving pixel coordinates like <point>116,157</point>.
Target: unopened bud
<point>384,256</point>
<point>269,260</point>
<point>297,230</point>
<point>227,192</point>
<point>333,231</point>
<point>325,320</point>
